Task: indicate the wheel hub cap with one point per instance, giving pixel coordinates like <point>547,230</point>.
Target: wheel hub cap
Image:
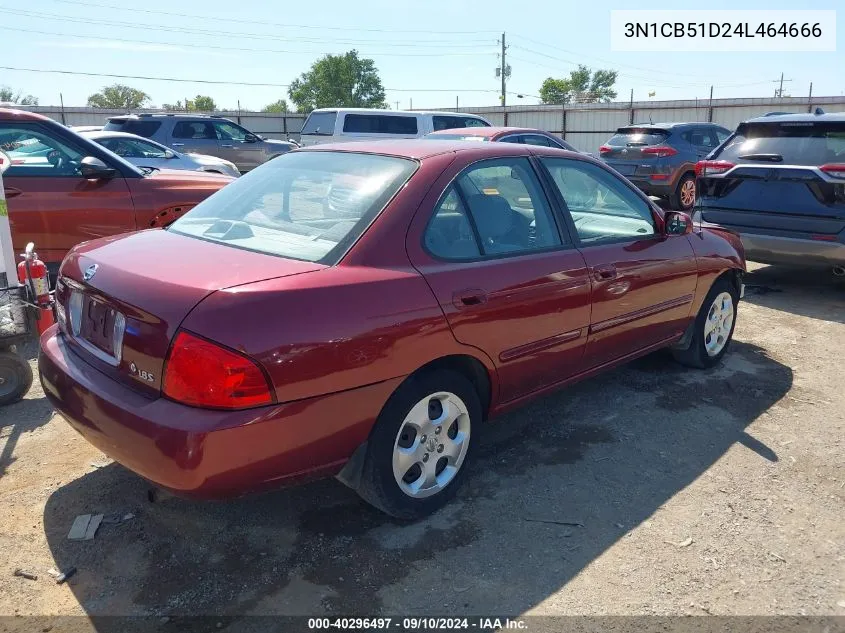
<point>431,445</point>
<point>717,326</point>
<point>688,193</point>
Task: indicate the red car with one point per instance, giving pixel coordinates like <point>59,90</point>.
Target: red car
<point>63,189</point>
<point>522,135</point>
<point>263,338</point>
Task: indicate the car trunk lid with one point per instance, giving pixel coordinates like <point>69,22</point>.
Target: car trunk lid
<point>151,280</point>
<point>636,151</point>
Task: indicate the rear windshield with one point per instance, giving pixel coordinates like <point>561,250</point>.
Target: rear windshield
<point>133,126</point>
<point>310,206</point>
<point>634,137</point>
<point>439,136</point>
<point>451,122</point>
<point>320,123</point>
<point>790,143</point>
<point>380,124</point>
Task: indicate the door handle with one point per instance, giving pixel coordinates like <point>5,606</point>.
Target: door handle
<point>469,298</point>
<point>11,192</point>
<point>225,146</point>
<point>604,272</point>
<point>177,145</point>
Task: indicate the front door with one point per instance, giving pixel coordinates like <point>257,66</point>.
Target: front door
<point>50,203</point>
<point>238,146</point>
<point>507,277</point>
<point>643,280</point>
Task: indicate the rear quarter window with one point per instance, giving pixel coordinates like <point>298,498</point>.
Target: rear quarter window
<point>791,143</point>
<point>449,122</point>
<point>379,124</point>
<point>133,126</point>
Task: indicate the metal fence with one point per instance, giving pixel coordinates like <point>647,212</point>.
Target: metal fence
<point>586,126</point>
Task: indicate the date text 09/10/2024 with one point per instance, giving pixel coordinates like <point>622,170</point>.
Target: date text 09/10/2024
<point>721,29</point>
<point>417,624</point>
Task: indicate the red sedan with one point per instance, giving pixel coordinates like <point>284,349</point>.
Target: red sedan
<point>520,135</point>
<point>264,337</point>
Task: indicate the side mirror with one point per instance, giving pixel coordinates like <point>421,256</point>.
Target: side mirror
<point>251,138</point>
<point>94,168</point>
<point>168,154</point>
<point>677,223</point>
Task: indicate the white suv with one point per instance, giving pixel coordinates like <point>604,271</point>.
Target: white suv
<point>333,125</point>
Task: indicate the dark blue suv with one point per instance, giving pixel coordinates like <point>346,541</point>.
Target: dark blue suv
<point>779,182</point>
<point>660,158</point>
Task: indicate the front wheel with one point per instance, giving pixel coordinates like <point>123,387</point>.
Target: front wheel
<point>713,328</point>
<point>419,449</point>
<point>15,377</point>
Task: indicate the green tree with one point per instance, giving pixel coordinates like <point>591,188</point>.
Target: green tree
<point>582,86</point>
<point>277,106</point>
<point>119,96</point>
<point>339,81</point>
<point>202,103</point>
<point>7,95</point>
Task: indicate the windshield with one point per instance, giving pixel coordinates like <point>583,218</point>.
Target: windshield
<point>790,143</point>
<point>320,123</point>
<point>309,206</point>
<point>437,136</point>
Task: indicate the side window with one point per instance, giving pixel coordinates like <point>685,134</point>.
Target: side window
<point>601,205</point>
<point>511,139</point>
<point>194,130</point>
<point>703,138</point>
<point>721,135</point>
<point>449,234</point>
<point>35,151</point>
<point>536,139</point>
<point>229,131</point>
<point>449,121</point>
<point>508,207</point>
<point>379,124</point>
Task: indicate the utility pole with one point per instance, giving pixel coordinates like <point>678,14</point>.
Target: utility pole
<point>457,103</point>
<point>397,105</point>
<point>504,72</point>
<point>779,91</point>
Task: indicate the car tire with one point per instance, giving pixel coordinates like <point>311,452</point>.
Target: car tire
<point>422,421</point>
<point>15,377</point>
<point>712,332</point>
<point>683,199</point>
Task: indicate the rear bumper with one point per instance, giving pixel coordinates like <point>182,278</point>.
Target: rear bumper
<point>205,453</point>
<point>769,249</point>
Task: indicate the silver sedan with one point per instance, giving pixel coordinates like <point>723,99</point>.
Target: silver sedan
<point>146,153</point>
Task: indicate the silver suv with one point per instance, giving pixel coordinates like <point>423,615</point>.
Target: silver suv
<point>202,134</point>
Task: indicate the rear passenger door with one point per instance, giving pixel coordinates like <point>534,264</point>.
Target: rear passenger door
<point>197,137</point>
<point>509,281</point>
<point>703,140</point>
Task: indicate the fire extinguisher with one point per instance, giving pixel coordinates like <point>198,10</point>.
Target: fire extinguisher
<point>32,272</point>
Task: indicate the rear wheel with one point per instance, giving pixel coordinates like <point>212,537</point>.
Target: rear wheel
<point>15,377</point>
<point>418,451</point>
<point>684,197</point>
<point>713,328</point>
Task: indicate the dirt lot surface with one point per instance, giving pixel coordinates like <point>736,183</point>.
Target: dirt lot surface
<point>653,489</point>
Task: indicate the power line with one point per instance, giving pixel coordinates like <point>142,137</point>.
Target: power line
<point>230,34</point>
<point>218,82</point>
<point>233,48</point>
<point>229,20</point>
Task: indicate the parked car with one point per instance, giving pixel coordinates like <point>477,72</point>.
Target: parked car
<point>780,183</point>
<point>527,136</point>
<point>660,158</point>
<point>263,341</point>
<point>63,188</point>
<point>203,134</point>
<point>146,153</point>
<point>334,125</point>
<point>79,129</point>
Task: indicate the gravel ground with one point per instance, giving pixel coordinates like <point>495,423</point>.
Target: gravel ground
<point>653,489</point>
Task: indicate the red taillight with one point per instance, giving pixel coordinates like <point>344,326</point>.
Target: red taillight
<point>823,238</point>
<point>660,151</point>
<point>202,374</point>
<point>659,176</point>
<point>837,170</point>
<point>605,149</point>
<point>712,167</point>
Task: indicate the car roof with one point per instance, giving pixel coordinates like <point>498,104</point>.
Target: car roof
<point>171,115</point>
<point>95,134</point>
<point>12,114</point>
<point>397,112</point>
<point>490,131</point>
<point>667,125</point>
<point>420,148</point>
<point>832,117</point>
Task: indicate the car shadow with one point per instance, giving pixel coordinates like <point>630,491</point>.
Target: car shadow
<point>554,485</point>
<point>803,291</point>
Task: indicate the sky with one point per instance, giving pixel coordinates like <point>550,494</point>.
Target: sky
<point>437,53</point>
